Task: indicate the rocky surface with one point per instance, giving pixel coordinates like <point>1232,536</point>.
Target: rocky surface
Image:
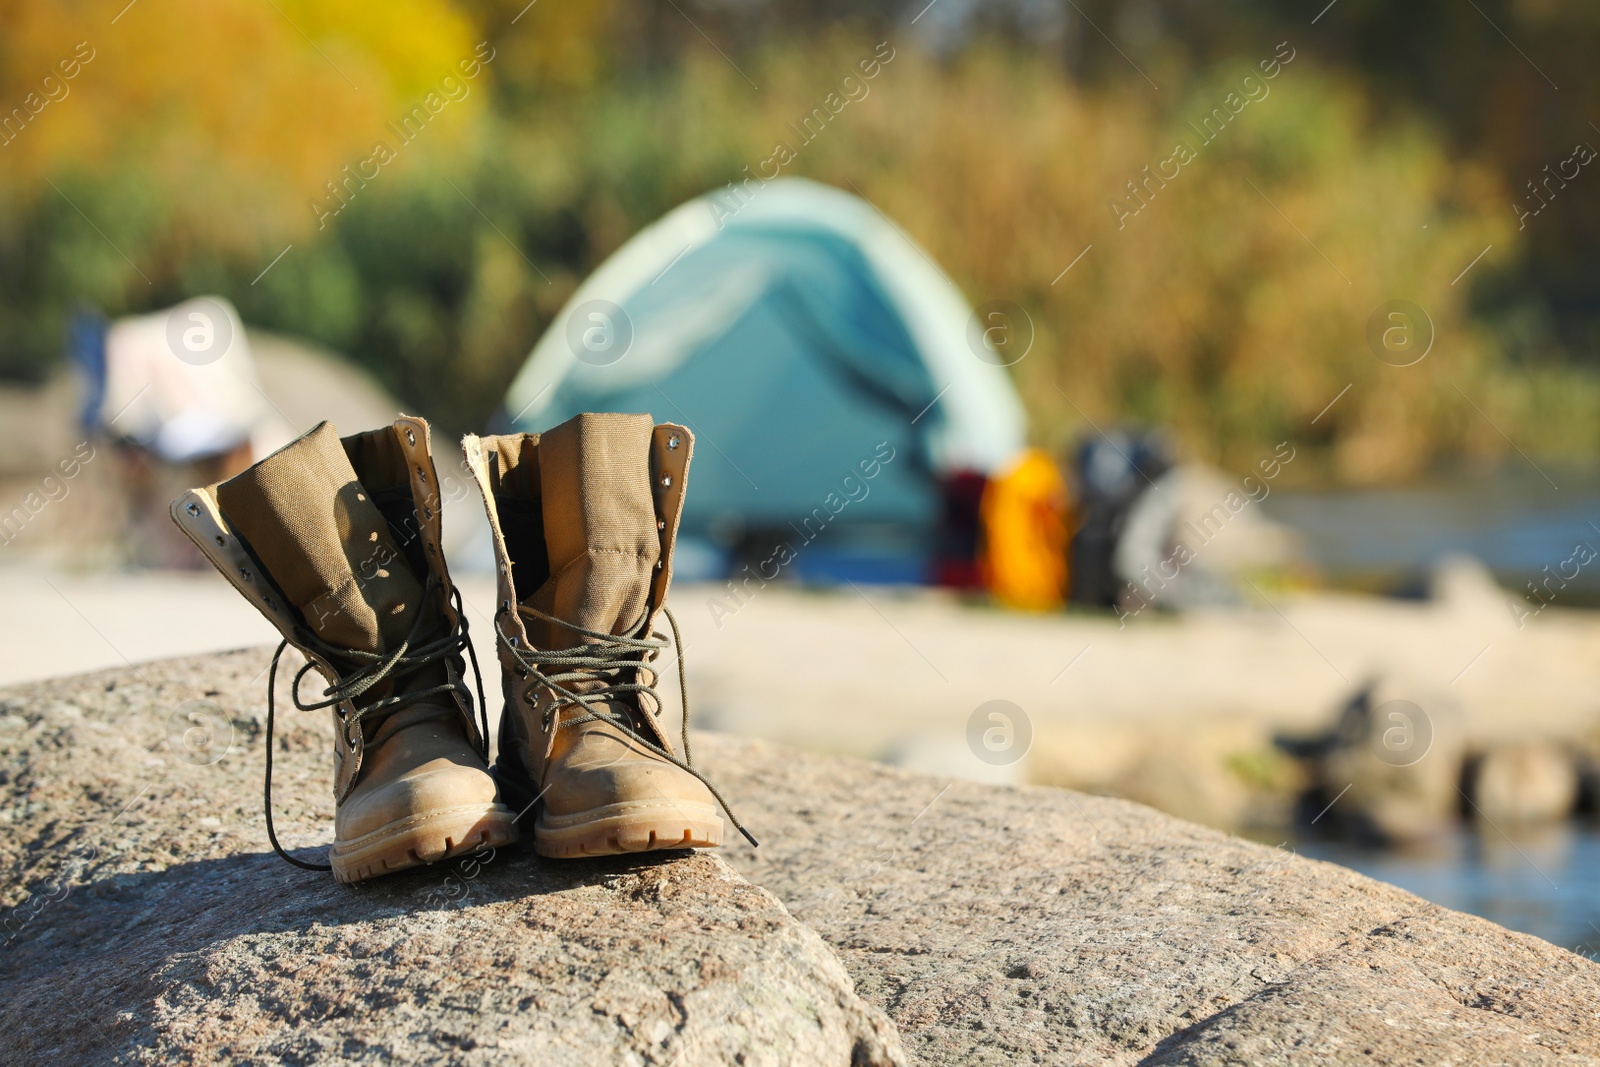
<point>1182,712</point>
<point>145,921</point>
<point>1004,925</point>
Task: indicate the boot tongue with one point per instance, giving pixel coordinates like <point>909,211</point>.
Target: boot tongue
<point>599,525</point>
<point>323,541</point>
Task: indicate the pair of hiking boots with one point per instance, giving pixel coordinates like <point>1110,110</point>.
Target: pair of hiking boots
<point>337,542</point>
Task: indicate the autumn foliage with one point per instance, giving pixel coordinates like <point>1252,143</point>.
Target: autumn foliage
<point>435,220</point>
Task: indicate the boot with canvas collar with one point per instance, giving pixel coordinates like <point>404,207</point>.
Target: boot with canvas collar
<point>583,519</point>
<point>336,542</point>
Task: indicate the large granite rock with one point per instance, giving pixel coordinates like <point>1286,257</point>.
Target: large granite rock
<point>146,922</point>
<point>1004,925</point>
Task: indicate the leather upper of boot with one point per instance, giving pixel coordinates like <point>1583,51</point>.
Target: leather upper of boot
<point>599,550</point>
<point>598,765</point>
<point>316,530</point>
<point>426,767</point>
<point>346,555</point>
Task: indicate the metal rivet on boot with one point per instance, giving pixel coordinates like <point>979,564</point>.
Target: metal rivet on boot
<point>422,475</point>
<point>666,481</point>
<point>244,572</point>
<point>221,540</point>
<point>193,509</point>
<point>411,438</point>
<point>674,441</point>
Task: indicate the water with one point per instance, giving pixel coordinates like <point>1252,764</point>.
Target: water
<point>1546,884</point>
<point>1518,520</point>
<point>1512,519</point>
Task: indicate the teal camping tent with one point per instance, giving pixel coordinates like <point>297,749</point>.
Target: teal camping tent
<point>825,365</point>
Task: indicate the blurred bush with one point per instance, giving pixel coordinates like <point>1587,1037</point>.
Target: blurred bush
<point>1232,307</point>
<point>187,146</point>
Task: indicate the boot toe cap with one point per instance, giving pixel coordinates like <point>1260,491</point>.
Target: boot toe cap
<point>435,787</point>
<point>603,771</point>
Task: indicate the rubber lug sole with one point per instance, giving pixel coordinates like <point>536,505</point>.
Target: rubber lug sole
<point>421,839</point>
<point>619,829</point>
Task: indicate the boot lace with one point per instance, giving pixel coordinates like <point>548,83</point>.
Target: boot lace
<point>407,658</point>
<point>611,659</point>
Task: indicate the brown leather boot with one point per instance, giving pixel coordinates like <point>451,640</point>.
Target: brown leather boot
<point>337,544</point>
<point>583,518</point>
